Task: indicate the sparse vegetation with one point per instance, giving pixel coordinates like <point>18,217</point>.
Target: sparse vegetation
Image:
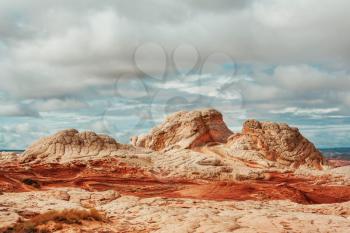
<point>53,220</point>
<point>32,182</point>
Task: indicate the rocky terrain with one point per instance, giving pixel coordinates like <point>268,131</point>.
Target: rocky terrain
<point>189,174</point>
<point>156,214</point>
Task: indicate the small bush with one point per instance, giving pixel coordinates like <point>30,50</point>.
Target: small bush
<point>32,182</point>
<point>69,216</point>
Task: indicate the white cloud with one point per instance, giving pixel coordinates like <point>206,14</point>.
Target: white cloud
<point>70,48</point>
<point>303,78</point>
<point>17,110</point>
<point>297,87</point>
<point>78,44</point>
<point>58,104</point>
<point>22,128</point>
<point>99,127</point>
<point>305,112</point>
<point>20,135</point>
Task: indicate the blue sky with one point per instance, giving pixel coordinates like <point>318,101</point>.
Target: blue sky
<point>119,67</point>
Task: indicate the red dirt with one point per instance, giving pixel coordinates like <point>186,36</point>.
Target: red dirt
<point>108,174</point>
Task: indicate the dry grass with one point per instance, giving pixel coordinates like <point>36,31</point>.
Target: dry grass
<point>57,218</point>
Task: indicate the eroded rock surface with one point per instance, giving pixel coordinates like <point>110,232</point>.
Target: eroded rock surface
<point>263,143</point>
<point>8,157</point>
<point>276,142</point>
<point>183,130</point>
<point>68,145</point>
<point>135,214</point>
<point>113,174</point>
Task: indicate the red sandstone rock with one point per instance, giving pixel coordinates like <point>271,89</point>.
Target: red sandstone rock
<point>103,175</point>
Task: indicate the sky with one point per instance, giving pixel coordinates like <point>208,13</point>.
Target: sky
<point>119,67</point>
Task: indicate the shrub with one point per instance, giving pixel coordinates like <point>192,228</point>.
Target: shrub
<point>32,182</point>
<point>69,216</point>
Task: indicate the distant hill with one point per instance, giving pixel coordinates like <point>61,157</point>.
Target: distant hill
<point>336,153</point>
<point>5,150</point>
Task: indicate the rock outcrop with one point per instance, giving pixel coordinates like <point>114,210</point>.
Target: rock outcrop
<point>264,143</point>
<point>185,130</point>
<point>276,142</point>
<point>69,145</point>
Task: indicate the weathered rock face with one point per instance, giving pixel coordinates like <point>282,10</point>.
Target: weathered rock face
<point>68,145</point>
<point>8,156</point>
<point>277,142</point>
<point>263,143</point>
<point>185,130</point>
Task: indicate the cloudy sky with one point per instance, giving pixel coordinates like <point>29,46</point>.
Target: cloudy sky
<point>118,67</point>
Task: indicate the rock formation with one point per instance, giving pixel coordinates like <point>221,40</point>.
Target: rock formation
<point>259,142</point>
<point>69,145</point>
<point>191,169</point>
<point>184,130</point>
<point>264,143</point>
<point>8,156</point>
<point>276,142</point>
